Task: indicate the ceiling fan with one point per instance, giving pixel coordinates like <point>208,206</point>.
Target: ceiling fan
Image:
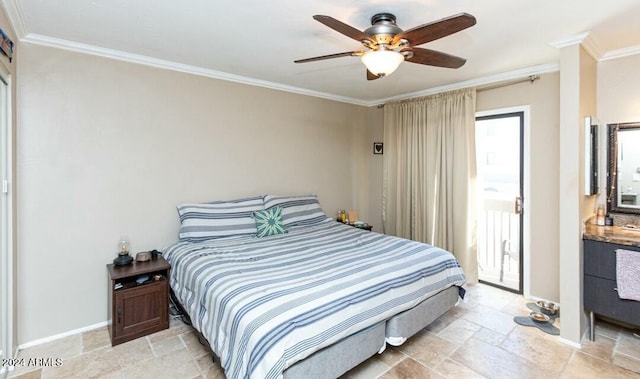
<point>387,45</point>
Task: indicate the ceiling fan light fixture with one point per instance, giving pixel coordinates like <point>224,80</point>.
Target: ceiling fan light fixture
<point>382,62</point>
<point>387,45</point>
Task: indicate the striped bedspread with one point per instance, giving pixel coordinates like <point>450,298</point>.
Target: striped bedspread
<point>265,303</point>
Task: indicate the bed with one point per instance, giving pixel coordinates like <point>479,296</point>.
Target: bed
<point>313,300</point>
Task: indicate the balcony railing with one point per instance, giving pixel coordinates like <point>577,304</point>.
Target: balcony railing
<point>498,241</point>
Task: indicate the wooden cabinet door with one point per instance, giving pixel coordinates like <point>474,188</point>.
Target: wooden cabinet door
<point>139,310</point>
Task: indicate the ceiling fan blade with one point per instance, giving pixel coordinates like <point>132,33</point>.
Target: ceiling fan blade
<point>343,28</point>
<point>330,56</point>
<point>437,29</point>
<point>372,76</point>
<point>434,58</point>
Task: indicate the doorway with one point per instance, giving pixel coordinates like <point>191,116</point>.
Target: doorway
<point>500,158</point>
<point>6,287</point>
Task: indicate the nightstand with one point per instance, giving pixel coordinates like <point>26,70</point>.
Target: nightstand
<point>363,226</point>
<point>137,309</point>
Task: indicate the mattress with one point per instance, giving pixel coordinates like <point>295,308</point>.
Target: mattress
<point>266,303</point>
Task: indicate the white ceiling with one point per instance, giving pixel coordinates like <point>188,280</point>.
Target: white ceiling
<point>257,41</point>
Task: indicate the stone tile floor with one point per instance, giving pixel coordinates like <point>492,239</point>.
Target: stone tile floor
<point>476,339</point>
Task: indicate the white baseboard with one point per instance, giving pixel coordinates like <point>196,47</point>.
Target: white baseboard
<point>61,335</point>
<point>570,343</point>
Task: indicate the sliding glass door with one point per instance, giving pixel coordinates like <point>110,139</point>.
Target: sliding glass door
<point>499,156</point>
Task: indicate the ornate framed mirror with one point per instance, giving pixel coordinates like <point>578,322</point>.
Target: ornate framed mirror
<point>623,162</point>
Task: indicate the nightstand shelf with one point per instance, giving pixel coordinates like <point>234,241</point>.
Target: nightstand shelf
<point>136,310</point>
<point>363,226</point>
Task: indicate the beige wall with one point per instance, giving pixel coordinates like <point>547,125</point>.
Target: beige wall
<point>618,101</point>
<point>543,98</point>
<point>108,148</point>
<point>376,134</point>
<point>618,94</point>
<point>588,108</point>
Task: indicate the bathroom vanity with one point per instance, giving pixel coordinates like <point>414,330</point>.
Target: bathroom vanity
<point>600,292</point>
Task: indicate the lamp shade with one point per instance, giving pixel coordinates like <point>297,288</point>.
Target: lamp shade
<point>382,62</point>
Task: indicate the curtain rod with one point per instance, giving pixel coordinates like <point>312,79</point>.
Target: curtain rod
<point>530,79</point>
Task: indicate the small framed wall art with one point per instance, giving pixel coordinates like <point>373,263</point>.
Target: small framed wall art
<point>377,148</point>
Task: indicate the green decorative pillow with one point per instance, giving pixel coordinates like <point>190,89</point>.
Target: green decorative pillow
<point>269,222</point>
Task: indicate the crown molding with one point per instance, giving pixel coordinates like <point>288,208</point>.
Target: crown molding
<point>621,53</point>
<point>569,41</point>
<point>13,9</point>
<point>592,48</point>
<point>583,39</point>
<point>174,66</point>
<point>14,12</point>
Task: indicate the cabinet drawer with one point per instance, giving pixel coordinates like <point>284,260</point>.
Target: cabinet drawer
<point>601,297</point>
<point>600,258</point>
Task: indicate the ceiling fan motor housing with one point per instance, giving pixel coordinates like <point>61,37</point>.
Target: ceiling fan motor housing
<point>383,28</point>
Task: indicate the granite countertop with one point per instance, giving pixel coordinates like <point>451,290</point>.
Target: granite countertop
<point>611,234</point>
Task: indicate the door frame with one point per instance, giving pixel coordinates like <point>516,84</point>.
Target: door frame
<point>525,165</point>
<point>6,213</point>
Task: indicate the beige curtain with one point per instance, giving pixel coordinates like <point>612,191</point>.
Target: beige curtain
<point>430,173</point>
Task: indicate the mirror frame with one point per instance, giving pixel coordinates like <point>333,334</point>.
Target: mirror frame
<point>591,157</point>
<point>612,169</point>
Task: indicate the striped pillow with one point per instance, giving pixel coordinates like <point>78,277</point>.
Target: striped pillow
<point>297,210</point>
<point>200,222</point>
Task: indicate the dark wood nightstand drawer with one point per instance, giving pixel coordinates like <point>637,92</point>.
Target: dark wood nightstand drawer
<point>600,297</point>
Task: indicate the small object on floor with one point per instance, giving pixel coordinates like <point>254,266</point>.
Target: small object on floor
<point>539,317</point>
<point>536,308</point>
<point>546,327</point>
<point>547,307</point>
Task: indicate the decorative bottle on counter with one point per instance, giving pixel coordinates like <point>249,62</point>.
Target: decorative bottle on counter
<point>343,216</point>
<point>600,215</point>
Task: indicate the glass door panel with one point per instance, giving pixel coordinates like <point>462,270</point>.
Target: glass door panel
<point>499,199</point>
